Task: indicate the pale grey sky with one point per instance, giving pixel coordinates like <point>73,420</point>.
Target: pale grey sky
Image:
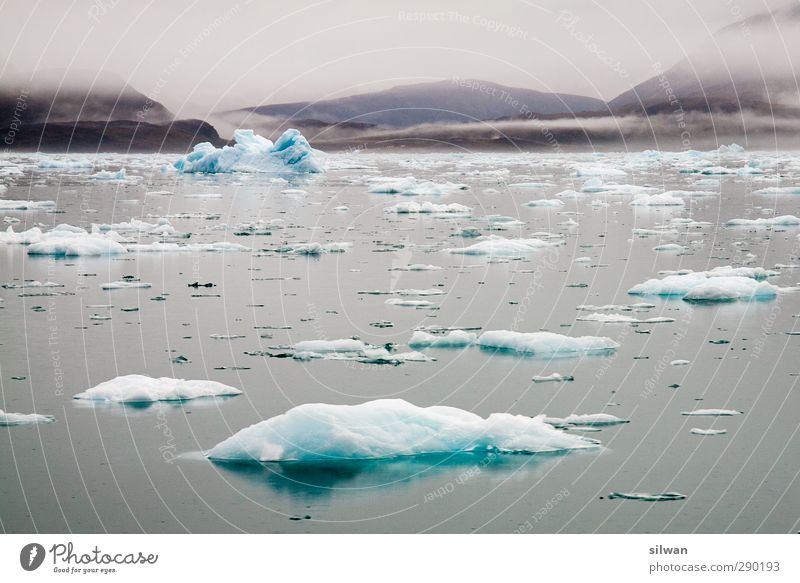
<point>204,55</point>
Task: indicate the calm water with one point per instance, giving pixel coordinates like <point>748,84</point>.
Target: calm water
<point>139,469</point>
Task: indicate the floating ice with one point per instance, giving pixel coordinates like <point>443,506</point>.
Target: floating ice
<point>119,175</point>
<point>161,227</point>
<point>555,377</point>
<point>412,207</point>
<point>697,431</point>
<point>594,419</point>
<point>615,307</point>
<point>159,247</point>
<point>388,428</point>
<point>409,303</point>
<point>546,202</point>
<point>664,199</point>
<point>253,153</point>
<point>599,170</point>
<point>411,186</point>
<point>12,419</point>
<point>126,285</point>
<point>495,246</point>
<point>453,339</point>
<point>643,496</point>
<point>700,286</point>
<point>621,319</point>
<point>680,362</point>
<point>778,190</point>
<point>136,388</point>
<point>544,343</point>
<point>342,345</point>
<point>313,248</point>
<point>77,244</point>
<point>669,247</point>
<point>712,412</point>
<point>417,267</point>
<point>765,223</point>
<point>26,205</point>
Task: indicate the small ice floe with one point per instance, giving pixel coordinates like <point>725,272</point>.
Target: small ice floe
<point>125,284</point>
<point>582,260</point>
<point>406,303</point>
<point>496,246</point>
<point>545,202</point>
<point>452,339</point>
<point>203,195</point>
<point>599,170</point>
<point>680,362</point>
<point>411,186</point>
<point>99,317</point>
<point>416,267</point>
<point>291,153</point>
<point>13,419</point>
<point>622,319</point>
<point>120,175</point>
<point>403,292</point>
<point>663,199</point>
<point>136,388</point>
<point>351,349</point>
<point>313,248</point>
<point>341,208</point>
<point>544,343</point>
<point>594,420</point>
<point>553,378</point>
<point>74,245</point>
<point>646,497</point>
<point>28,283</point>
<point>636,307</point>
<point>712,413</point>
<point>697,431</point>
<point>671,247</point>
<point>765,223</point>
<point>226,336</point>
<point>159,247</point>
<point>162,227</point>
<point>413,207</point>
<point>389,428</point>
<point>26,205</point>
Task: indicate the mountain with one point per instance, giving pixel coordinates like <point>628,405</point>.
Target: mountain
<point>449,101</point>
<point>53,96</point>
<point>748,65</point>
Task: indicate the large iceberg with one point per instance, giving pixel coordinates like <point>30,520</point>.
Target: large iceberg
<point>544,343</point>
<point>254,153</point>
<point>708,286</point>
<point>389,428</point>
<point>135,388</point>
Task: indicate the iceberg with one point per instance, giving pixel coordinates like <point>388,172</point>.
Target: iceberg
<point>453,339</point>
<point>555,377</point>
<point>411,186</point>
<point>12,419</point>
<point>253,153</point>
<point>158,247</point>
<point>622,319</point>
<point>700,286</point>
<point>136,388</point>
<point>545,202</point>
<point>673,247</point>
<point>765,223</point>
<point>594,419</point>
<point>778,190</point>
<point>697,431</point>
<point>495,246</point>
<point>313,248</point>
<point>712,413</point>
<point>77,245</point>
<point>389,428</point>
<point>544,343</point>
<point>125,285</point>
<point>417,267</point>
<point>664,199</point>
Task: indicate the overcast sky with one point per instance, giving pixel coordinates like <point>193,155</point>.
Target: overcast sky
<point>205,55</point>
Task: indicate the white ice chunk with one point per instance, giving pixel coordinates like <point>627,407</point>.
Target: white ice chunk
<point>544,343</point>
<point>453,339</point>
<point>136,388</point>
<point>12,419</point>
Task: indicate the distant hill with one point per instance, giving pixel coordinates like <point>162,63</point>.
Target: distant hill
<point>748,65</point>
<point>114,136</point>
<point>52,96</point>
<point>449,101</point>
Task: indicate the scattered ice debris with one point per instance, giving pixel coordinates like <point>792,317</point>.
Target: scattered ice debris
<point>120,175</point>
<point>389,428</point>
<point>582,260</point>
<point>12,419</point>
<point>495,246</point>
<point>697,431</point>
<point>343,349</point>
<point>544,343</point>
<point>778,190</point>
<point>453,339</point>
<point>411,186</point>
<point>159,247</point>
<point>26,205</point>
<point>413,207</point>
<point>639,306</point>
<point>313,248</point>
<point>226,336</point>
<point>599,170</point>
<point>765,223</point>
<point>712,412</point>
<point>29,283</point>
<point>49,163</point>
<point>680,362</point>
<point>662,497</point>
<point>136,388</point>
<point>161,227</point>
<point>254,153</point>
<point>621,319</point>
<point>126,285</point>
<point>404,292</point>
<point>555,377</point>
<point>545,202</point>
<point>664,199</point>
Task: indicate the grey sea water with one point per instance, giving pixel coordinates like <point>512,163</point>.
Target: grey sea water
<point>121,468</point>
